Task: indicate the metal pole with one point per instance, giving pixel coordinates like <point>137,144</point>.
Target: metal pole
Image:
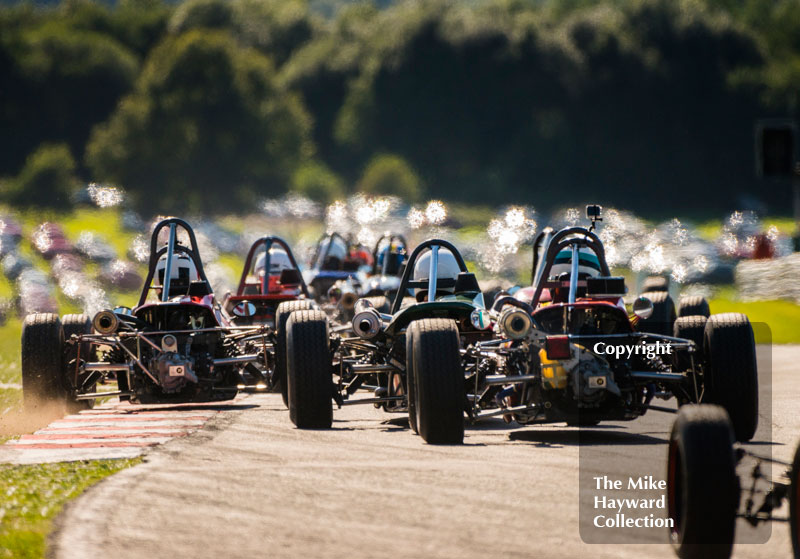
<point>433,271</point>
<point>265,279</point>
<point>573,276</point>
<point>168,270</point>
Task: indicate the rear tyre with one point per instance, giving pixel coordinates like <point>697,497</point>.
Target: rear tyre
<point>410,384</point>
<point>731,373</point>
<point>281,316</point>
<point>794,503</point>
<point>702,487</point>
<point>381,303</point>
<point>77,324</point>
<point>438,380</point>
<point>309,370</point>
<point>689,328</point>
<point>655,283</point>
<point>663,317</point>
<point>42,370</point>
<point>694,305</point>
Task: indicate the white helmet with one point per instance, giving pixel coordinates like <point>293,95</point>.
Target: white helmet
<point>588,264</point>
<point>278,260</point>
<point>183,268</point>
<point>447,268</point>
<point>337,250</point>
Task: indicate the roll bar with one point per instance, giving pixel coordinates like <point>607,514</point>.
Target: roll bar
<point>406,283</point>
<point>572,238</point>
<point>268,241</point>
<point>542,239</point>
<point>392,237</point>
<point>330,236</point>
<point>173,223</point>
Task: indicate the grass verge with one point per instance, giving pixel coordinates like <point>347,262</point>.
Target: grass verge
<point>782,317</point>
<point>32,495</point>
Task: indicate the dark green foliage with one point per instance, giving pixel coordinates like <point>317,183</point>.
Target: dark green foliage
<point>637,103</point>
<point>316,181</point>
<point>206,118</point>
<point>46,180</point>
<point>390,174</point>
<point>57,81</point>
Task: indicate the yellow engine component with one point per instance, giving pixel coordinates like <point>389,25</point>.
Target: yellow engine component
<point>554,375</point>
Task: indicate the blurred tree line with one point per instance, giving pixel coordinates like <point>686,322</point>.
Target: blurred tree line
<point>209,105</point>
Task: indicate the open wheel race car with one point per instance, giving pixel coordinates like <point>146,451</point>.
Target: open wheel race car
<point>379,284</point>
<point>389,255</point>
<point>705,495</point>
<point>409,359</point>
<point>181,347</point>
<point>335,259</point>
<point>271,286</point>
<point>270,276</point>
<point>568,367</point>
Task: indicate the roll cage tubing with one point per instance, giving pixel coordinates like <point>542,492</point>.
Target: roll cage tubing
<point>268,242</point>
<point>172,247</point>
<point>542,238</point>
<point>405,283</point>
<point>392,237</point>
<point>555,244</point>
<point>332,236</point>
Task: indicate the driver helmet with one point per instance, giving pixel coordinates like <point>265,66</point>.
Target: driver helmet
<point>588,264</point>
<point>183,268</point>
<point>447,268</point>
<point>278,261</point>
<point>360,255</point>
<point>390,259</point>
<point>331,253</point>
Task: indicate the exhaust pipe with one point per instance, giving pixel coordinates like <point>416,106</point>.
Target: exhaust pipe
<point>105,322</point>
<point>367,323</point>
<point>343,294</point>
<point>348,300</point>
<point>515,323</point>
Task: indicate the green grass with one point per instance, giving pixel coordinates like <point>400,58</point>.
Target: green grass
<point>6,288</point>
<point>712,229</point>
<point>782,317</point>
<point>10,402</point>
<point>233,263</point>
<point>106,223</point>
<point>31,496</point>
<point>10,336</point>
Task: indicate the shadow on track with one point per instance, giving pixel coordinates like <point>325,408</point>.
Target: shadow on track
<point>583,437</point>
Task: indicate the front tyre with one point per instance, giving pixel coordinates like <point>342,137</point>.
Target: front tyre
<point>380,303</point>
<point>663,317</point>
<point>281,316</point>
<point>689,328</point>
<point>731,373</point>
<point>77,324</point>
<point>702,487</point>
<point>694,305</point>
<point>42,351</point>
<point>411,386</point>
<point>438,380</point>
<point>308,362</point>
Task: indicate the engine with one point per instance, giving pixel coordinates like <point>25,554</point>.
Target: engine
<point>174,370</point>
<point>591,379</point>
<point>181,364</point>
